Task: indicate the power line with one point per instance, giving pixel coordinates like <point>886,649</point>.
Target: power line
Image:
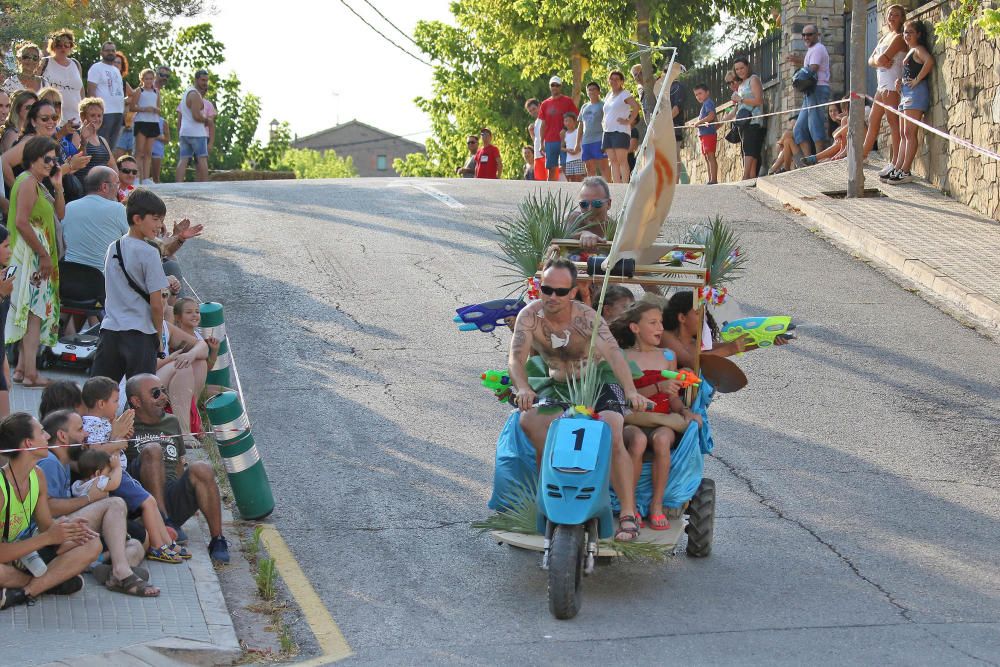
<point>382,35</point>
<point>386,19</point>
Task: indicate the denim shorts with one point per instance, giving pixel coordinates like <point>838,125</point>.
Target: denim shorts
<point>618,140</point>
<point>157,149</point>
<point>131,492</point>
<point>554,155</point>
<point>193,147</point>
<point>592,151</point>
<point>918,97</point>
<point>126,140</point>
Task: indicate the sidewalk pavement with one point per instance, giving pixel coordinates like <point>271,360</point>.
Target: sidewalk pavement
<point>187,624</point>
<point>914,229</point>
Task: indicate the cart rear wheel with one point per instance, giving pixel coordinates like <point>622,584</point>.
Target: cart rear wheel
<point>565,571</point>
<point>701,520</point>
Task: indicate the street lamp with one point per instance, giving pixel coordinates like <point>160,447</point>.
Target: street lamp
<point>274,126</point>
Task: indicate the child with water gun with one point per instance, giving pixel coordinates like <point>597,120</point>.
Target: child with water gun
<point>638,332</point>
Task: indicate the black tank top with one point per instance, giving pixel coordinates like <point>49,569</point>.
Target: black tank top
<point>911,68</point>
<point>99,155</point>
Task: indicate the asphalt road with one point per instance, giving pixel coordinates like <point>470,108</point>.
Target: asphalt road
<point>857,474</point>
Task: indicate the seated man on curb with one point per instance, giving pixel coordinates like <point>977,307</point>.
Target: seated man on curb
<point>65,547</point>
<point>156,458</point>
<point>104,514</point>
<point>559,329</point>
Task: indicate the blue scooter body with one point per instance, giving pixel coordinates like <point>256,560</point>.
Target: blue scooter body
<point>575,475</point>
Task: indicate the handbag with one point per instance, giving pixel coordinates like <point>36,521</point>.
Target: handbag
<point>742,118</point>
<point>733,135</point>
<point>804,80</point>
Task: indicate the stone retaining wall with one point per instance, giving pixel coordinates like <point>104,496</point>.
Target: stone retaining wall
<point>965,102</point>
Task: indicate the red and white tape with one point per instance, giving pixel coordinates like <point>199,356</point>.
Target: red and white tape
<point>964,143</point>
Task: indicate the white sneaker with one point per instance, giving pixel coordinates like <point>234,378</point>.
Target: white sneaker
<point>886,170</point>
<point>901,177</point>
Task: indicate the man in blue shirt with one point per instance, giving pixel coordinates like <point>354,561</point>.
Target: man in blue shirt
<point>104,514</point>
<point>92,223</point>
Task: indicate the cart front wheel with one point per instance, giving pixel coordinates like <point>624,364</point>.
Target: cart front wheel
<point>701,520</point>
<point>565,571</point>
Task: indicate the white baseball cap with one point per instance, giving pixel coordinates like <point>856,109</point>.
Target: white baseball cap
<point>555,79</point>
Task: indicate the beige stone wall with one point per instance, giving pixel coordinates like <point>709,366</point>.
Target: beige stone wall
<point>965,91</point>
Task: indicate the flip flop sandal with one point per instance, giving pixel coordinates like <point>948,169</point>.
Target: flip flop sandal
<point>629,533</point>
<point>17,379</point>
<point>102,573</point>
<point>659,522</point>
<point>131,585</point>
<point>164,556</point>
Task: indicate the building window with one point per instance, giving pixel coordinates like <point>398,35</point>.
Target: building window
<point>382,163</point>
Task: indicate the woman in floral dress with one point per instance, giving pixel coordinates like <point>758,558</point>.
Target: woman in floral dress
<point>36,199</point>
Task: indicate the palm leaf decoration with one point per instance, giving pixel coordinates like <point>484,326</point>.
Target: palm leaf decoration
<point>724,259</point>
<point>526,236</point>
<point>584,388</point>
<point>521,515</point>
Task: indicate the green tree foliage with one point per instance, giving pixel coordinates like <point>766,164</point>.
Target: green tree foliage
<point>502,52</point>
<point>965,13</point>
<point>307,163</point>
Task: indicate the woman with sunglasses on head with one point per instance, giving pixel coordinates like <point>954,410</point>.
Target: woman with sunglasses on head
<point>16,117</point>
<point>65,73</point>
<point>27,77</point>
<point>42,121</point>
<point>37,199</point>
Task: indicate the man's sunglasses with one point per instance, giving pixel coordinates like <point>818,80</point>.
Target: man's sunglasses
<point>558,291</point>
<point>595,203</point>
<point>129,171</point>
<point>157,392</point>
<point>808,34</point>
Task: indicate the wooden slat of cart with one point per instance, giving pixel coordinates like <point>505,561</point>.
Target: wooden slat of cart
<point>656,269</point>
<point>694,281</point>
<point>606,245</point>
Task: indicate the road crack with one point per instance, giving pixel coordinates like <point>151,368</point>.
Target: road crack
<point>851,565</point>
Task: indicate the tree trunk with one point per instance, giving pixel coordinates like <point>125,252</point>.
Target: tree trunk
<point>577,63</point>
<point>645,56</point>
<point>856,117</point>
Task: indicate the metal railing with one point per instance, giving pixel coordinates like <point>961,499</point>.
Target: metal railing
<point>764,59</point>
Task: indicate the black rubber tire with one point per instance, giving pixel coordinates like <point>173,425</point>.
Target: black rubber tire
<point>565,571</point>
<point>701,520</point>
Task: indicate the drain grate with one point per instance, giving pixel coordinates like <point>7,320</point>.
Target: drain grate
<point>867,193</point>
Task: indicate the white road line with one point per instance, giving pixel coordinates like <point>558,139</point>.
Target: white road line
<point>445,199</point>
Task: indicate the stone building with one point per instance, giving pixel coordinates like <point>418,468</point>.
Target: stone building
<point>371,149</point>
<point>965,98</point>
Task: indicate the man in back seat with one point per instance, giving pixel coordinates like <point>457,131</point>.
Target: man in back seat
<point>92,223</point>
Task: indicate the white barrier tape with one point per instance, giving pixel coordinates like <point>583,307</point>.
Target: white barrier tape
<point>240,462</point>
<point>763,115</point>
<point>238,425</point>
<point>218,333</point>
<point>126,441</point>
<point>950,137</point>
<point>223,361</point>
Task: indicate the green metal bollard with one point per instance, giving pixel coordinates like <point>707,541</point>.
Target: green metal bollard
<point>240,457</point>
<point>213,325</point>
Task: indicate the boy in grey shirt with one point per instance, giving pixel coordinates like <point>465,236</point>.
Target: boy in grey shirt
<point>131,333</point>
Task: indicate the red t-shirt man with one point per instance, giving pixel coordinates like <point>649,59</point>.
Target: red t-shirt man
<point>487,157</point>
<point>552,110</point>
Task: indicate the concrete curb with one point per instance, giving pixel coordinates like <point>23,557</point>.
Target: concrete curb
<point>877,249</point>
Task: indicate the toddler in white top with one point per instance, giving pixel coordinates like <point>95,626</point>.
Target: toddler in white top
<point>97,469</point>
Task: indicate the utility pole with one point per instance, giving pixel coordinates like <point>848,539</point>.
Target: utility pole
<point>856,117</point>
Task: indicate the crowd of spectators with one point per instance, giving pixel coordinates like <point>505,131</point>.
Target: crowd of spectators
<point>100,481</point>
<point>601,138</point>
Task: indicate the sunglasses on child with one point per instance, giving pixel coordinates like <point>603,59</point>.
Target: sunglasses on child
<point>594,203</point>
<point>558,291</point>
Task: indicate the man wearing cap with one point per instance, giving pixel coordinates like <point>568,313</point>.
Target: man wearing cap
<point>551,113</point>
